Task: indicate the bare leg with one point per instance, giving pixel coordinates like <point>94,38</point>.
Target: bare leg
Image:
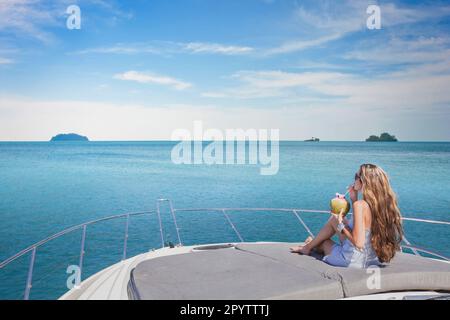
<point>325,234</point>
<point>326,247</point>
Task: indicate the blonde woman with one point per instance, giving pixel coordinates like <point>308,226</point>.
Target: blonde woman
<point>374,233</point>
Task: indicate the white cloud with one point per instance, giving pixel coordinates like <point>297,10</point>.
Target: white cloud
<point>396,92</point>
<point>170,47</point>
<point>393,15</point>
<point>328,21</point>
<point>281,79</point>
<point>31,18</point>
<point>6,61</point>
<point>347,16</point>
<point>318,24</point>
<point>299,45</point>
<point>120,49</point>
<point>422,50</point>
<point>331,16</point>
<point>321,23</point>
<point>274,83</point>
<point>201,47</point>
<point>111,7</point>
<point>152,78</point>
<point>26,17</point>
<point>27,119</point>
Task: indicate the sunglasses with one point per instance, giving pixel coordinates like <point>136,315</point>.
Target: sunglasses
<point>357,176</point>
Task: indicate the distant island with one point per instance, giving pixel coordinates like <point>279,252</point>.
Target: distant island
<point>69,137</point>
<point>384,137</point>
<point>313,140</point>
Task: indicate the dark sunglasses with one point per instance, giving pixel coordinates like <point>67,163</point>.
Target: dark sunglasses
<point>357,176</point>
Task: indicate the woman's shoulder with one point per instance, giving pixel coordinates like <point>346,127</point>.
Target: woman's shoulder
<point>361,205</point>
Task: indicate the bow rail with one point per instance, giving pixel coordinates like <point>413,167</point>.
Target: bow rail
<point>295,211</point>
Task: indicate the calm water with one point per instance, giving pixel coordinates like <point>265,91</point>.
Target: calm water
<point>45,187</point>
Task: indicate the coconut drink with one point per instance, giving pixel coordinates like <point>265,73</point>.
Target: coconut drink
<point>339,203</point>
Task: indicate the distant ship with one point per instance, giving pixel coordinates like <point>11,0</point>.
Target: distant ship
<point>313,139</point>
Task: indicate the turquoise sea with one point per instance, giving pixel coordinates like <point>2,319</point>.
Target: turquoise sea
<point>46,187</point>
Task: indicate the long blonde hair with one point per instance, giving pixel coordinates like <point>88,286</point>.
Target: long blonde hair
<point>386,227</point>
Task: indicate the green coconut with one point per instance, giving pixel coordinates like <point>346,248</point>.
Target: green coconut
<point>339,203</point>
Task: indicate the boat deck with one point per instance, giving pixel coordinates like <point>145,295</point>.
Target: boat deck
<point>254,271</point>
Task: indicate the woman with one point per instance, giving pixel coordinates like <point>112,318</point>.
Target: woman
<point>375,231</point>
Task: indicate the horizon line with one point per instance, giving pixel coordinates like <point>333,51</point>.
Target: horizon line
<point>168,140</point>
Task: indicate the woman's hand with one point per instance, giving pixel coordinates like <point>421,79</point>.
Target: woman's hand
<point>338,217</point>
<point>353,194</point>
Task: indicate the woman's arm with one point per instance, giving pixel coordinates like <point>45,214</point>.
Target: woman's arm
<point>357,235</point>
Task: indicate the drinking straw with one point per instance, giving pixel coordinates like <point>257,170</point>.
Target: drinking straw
<point>348,190</point>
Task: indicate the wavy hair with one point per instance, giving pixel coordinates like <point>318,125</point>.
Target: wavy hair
<point>386,228</point>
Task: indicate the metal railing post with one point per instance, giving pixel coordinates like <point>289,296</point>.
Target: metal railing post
<point>160,222</point>
<point>232,225</point>
<point>28,286</point>
<point>175,221</point>
<point>303,223</point>
<point>409,244</point>
<point>172,212</point>
<point>125,240</point>
<point>83,240</point>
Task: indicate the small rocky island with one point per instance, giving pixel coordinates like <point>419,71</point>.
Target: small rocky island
<point>69,137</point>
<point>384,137</point>
<point>313,139</point>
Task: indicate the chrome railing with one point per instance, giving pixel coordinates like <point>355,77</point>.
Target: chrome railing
<point>33,248</point>
<point>296,212</point>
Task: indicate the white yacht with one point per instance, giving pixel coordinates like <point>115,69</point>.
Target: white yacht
<point>248,270</point>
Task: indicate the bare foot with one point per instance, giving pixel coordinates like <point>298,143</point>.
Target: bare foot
<point>302,249</point>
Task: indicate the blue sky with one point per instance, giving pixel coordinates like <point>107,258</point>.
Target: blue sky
<point>137,70</point>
